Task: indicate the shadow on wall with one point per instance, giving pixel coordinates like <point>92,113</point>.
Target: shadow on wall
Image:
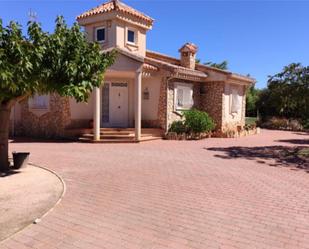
<point>276,156</point>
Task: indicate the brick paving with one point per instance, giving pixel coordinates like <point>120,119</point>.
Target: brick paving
<point>172,194</point>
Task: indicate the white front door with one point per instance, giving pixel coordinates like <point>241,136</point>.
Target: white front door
<point>118,105</point>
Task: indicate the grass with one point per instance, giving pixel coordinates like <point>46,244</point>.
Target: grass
<point>251,120</point>
<point>304,153</point>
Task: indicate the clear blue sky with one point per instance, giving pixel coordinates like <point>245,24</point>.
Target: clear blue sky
<point>256,37</point>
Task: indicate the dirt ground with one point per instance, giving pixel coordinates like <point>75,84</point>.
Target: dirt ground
<point>26,195</point>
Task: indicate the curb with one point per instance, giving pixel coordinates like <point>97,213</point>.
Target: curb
<point>48,211</point>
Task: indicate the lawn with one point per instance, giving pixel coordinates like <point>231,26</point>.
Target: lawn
<point>251,120</point>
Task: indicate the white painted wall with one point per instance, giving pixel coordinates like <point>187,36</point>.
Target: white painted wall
<point>150,107</point>
<point>82,110</point>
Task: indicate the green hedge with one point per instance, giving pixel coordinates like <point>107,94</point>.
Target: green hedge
<point>195,121</point>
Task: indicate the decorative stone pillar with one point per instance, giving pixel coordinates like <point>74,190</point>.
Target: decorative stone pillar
<point>96,117</point>
<point>138,104</point>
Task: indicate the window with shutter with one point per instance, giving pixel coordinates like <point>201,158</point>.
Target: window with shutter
<point>183,96</point>
<point>235,101</point>
<point>40,102</point>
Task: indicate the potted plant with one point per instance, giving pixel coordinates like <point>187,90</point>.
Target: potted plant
<point>20,159</point>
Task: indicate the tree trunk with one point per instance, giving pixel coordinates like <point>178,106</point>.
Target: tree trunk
<point>5,112</point>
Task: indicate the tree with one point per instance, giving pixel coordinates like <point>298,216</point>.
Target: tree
<point>252,97</point>
<point>63,62</point>
<point>223,65</point>
<point>287,93</point>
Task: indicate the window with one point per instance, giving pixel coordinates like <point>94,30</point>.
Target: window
<point>183,96</point>
<point>100,34</point>
<point>236,101</point>
<point>105,103</point>
<point>40,102</point>
<point>131,36</point>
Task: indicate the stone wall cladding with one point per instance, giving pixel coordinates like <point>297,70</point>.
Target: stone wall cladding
<point>172,114</point>
<point>232,125</point>
<point>52,124</point>
<point>162,104</point>
<point>211,101</point>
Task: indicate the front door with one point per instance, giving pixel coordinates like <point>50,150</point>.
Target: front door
<point>118,106</point>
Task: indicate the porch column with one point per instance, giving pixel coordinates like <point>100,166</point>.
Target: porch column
<point>96,116</point>
<point>138,104</point>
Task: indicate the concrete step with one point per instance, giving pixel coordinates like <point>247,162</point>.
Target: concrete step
<point>87,140</point>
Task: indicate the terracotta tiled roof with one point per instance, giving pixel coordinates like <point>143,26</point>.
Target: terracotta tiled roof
<point>174,62</point>
<point>174,68</point>
<point>189,47</point>
<point>116,5</point>
<point>147,66</point>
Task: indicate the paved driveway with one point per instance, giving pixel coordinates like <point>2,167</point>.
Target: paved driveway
<point>215,193</point>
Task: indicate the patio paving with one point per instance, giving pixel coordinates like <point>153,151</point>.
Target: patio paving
<point>249,192</point>
<point>26,195</point>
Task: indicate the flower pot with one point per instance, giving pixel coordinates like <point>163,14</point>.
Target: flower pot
<point>20,159</point>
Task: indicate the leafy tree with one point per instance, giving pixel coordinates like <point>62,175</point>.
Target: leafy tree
<point>197,61</point>
<point>287,93</point>
<point>252,97</point>
<point>63,62</point>
<point>223,65</point>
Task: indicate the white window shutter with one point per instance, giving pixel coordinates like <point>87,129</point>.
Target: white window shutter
<point>180,97</point>
<point>184,96</point>
<point>236,101</point>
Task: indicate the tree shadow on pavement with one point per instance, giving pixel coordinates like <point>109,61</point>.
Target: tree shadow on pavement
<point>294,141</point>
<point>276,156</point>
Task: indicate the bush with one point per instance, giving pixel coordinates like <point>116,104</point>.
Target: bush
<point>178,127</point>
<point>278,123</point>
<point>282,123</point>
<point>197,121</point>
<point>305,124</point>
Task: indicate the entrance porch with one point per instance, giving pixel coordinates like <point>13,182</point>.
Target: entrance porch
<point>118,103</point>
<point>120,135</point>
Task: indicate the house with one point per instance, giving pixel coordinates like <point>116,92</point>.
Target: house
<point>142,89</point>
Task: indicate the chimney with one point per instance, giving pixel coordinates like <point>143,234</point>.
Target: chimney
<point>187,55</point>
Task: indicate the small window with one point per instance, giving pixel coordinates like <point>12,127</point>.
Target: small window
<point>131,36</point>
<point>40,102</point>
<point>184,96</point>
<point>100,34</point>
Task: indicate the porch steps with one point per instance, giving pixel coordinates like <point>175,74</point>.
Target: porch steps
<point>115,135</point>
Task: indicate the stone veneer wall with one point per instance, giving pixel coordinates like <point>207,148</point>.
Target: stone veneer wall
<point>51,124</point>
<point>212,101</point>
<point>232,125</point>
<point>162,104</point>
<point>172,115</point>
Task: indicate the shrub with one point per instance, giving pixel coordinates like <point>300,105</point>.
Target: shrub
<point>305,124</point>
<point>178,127</point>
<point>295,125</point>
<point>282,123</point>
<point>274,123</point>
<point>197,121</point>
